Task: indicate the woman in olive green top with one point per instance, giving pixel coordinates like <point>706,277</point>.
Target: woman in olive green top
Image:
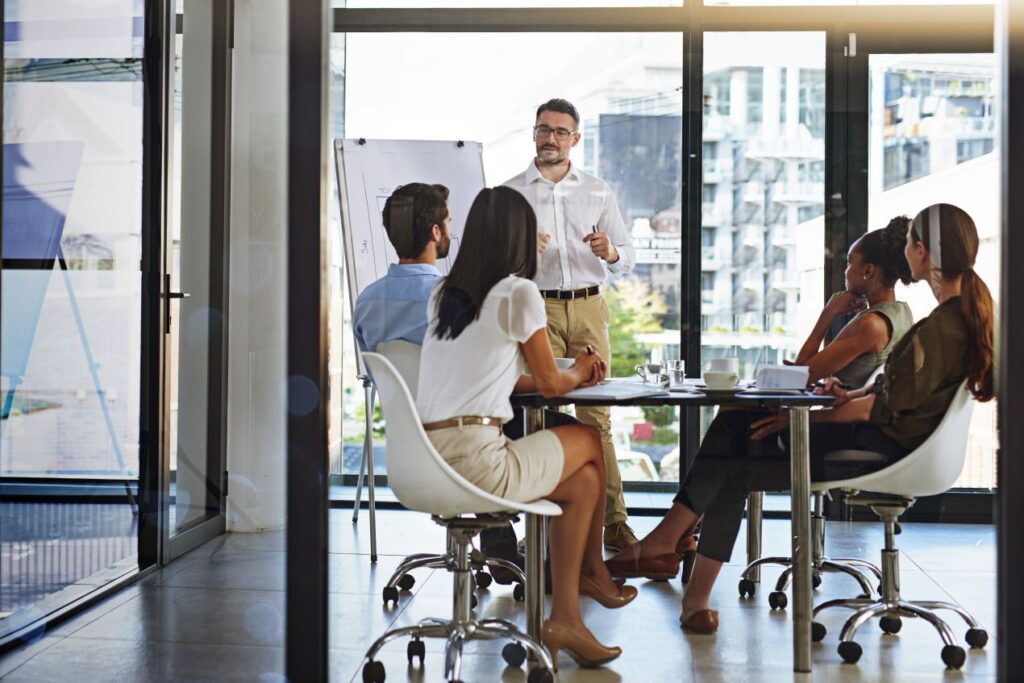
<point>891,418</point>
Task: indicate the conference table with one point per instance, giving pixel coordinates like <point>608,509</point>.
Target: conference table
<point>798,406</point>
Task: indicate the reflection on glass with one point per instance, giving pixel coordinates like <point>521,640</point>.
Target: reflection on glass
<point>71,329</point>
<point>932,138</point>
<point>627,88</point>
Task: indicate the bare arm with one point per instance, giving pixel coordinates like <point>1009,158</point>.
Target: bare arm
<point>546,378</point>
<point>867,334</point>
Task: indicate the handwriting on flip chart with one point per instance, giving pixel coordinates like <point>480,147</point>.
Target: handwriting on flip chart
<point>368,173</point>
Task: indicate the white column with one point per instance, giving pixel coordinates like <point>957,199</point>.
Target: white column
<point>792,101</point>
<point>738,99</point>
<point>257,313</point>
<point>771,98</point>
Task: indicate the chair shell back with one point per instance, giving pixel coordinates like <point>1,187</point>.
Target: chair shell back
<point>931,468</point>
<point>405,356</point>
<point>417,473</point>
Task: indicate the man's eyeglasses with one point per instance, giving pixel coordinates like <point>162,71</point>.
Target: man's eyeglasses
<point>542,133</point>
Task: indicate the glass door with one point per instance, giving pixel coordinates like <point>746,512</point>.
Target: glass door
<point>194,283</point>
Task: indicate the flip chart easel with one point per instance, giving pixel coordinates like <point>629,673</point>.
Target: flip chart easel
<point>368,172</point>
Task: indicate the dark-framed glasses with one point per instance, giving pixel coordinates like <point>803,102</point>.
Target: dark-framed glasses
<point>542,133</point>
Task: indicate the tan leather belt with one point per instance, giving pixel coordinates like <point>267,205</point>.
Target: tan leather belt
<point>571,293</point>
<point>463,421</point>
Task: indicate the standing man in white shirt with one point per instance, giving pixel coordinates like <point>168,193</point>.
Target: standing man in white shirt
<point>581,237</point>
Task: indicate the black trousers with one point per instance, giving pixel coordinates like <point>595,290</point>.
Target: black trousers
<point>505,538</point>
<point>729,465</point>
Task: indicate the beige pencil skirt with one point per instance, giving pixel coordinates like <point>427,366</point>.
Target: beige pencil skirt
<point>522,470</point>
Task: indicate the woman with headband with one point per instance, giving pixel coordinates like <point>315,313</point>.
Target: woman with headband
<point>891,418</point>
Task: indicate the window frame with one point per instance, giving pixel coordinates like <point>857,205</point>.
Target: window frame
<point>851,32</point>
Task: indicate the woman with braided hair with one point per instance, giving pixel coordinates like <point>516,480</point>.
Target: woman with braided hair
<point>894,416</point>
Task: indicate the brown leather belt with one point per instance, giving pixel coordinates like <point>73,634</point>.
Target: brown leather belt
<point>571,293</point>
<point>463,421</point>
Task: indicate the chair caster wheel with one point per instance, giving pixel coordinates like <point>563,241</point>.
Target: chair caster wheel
<point>818,631</point>
<point>514,654</point>
<point>406,582</point>
<point>816,580</point>
<point>540,675</point>
<point>777,600</point>
<point>977,637</point>
<point>519,592</point>
<point>747,588</point>
<point>891,625</point>
<point>416,649</point>
<point>473,601</point>
<point>850,652</point>
<point>390,595</point>
<point>373,672</point>
<point>483,579</point>
<point>953,656</point>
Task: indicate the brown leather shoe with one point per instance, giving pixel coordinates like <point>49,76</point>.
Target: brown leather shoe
<point>618,537</point>
<point>704,622</point>
<point>686,553</point>
<point>580,646</point>
<point>634,566</point>
<point>625,594</point>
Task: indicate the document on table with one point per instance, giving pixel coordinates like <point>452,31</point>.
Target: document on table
<point>616,391</point>
<point>782,377</point>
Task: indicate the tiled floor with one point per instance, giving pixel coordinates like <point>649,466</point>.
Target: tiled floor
<point>217,615</point>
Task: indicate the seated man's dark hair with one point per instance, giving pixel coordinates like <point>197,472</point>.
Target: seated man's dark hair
<point>410,213</point>
<point>562,107</point>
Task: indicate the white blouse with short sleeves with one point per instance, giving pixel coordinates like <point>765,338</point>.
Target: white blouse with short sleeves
<point>474,374</point>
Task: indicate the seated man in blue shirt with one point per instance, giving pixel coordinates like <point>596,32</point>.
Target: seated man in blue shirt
<point>416,218</point>
<point>417,221</point>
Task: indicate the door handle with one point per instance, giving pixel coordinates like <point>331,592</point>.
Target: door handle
<point>170,295</point>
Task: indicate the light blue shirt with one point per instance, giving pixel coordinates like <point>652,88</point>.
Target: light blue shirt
<point>395,306</point>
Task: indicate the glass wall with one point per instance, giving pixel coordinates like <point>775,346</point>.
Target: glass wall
<point>71,286</point>
<point>933,138</point>
<point>628,89</point>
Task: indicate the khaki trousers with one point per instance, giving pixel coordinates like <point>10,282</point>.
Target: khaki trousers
<point>572,324</point>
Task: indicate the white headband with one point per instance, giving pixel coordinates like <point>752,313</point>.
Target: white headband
<point>935,236</point>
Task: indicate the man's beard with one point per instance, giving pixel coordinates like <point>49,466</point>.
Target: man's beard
<point>443,246</point>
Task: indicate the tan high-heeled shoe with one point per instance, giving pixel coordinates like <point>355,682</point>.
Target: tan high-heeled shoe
<point>582,648</point>
<point>589,588</point>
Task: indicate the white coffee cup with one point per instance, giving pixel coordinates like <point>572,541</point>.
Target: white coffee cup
<point>718,380</point>
<point>725,365</point>
<point>564,363</point>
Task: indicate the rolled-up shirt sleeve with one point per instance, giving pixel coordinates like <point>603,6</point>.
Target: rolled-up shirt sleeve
<point>611,222</point>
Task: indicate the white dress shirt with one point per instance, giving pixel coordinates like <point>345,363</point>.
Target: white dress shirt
<point>568,211</point>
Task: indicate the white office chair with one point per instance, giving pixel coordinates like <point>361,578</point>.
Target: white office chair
<point>930,469</point>
<point>820,562</point>
<point>423,481</point>
<point>405,356</point>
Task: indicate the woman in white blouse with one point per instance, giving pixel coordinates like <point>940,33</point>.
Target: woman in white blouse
<point>487,326</point>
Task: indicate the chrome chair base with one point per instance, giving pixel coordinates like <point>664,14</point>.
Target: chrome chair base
<point>821,564</point>
<point>890,606</point>
<point>402,580</point>
<point>462,627</point>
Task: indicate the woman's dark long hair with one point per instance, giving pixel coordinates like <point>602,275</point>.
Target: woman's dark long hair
<point>499,239</point>
<point>959,247</point>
